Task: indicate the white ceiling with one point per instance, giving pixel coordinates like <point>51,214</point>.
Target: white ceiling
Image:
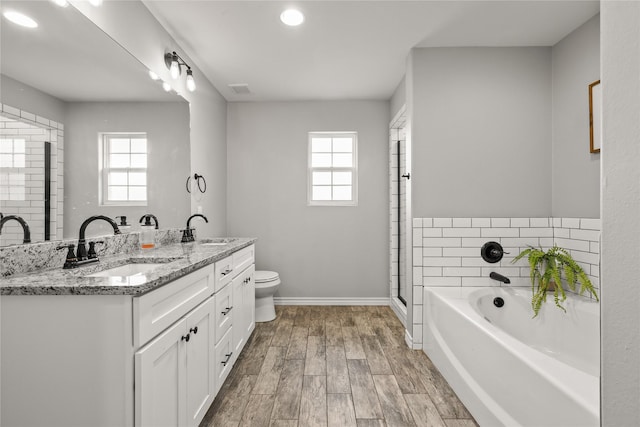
<point>70,58</point>
<point>347,49</point>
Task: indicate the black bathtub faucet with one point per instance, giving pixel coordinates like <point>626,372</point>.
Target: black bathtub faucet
<point>499,277</point>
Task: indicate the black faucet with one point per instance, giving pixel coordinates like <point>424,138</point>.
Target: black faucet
<point>147,219</point>
<point>81,253</point>
<point>25,227</point>
<point>499,277</point>
<point>187,234</point>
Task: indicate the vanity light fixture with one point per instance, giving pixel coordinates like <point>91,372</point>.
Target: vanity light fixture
<point>292,17</point>
<point>153,75</point>
<point>166,86</point>
<point>20,19</point>
<point>175,63</point>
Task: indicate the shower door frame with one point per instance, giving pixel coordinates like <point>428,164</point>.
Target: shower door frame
<point>400,224</point>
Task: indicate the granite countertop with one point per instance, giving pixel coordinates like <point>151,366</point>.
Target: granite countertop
<point>176,260</point>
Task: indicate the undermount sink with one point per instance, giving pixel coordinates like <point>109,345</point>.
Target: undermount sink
<point>218,241</point>
<point>132,272</point>
<point>126,270</point>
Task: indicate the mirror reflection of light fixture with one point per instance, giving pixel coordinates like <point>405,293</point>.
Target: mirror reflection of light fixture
<point>166,86</point>
<point>175,63</point>
<point>61,3</point>
<point>191,84</point>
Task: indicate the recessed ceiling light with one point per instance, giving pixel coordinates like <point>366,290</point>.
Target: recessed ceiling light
<point>292,17</point>
<point>20,19</point>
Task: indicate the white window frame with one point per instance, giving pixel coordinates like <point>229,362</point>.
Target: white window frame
<point>353,169</point>
<point>8,172</point>
<point>105,168</point>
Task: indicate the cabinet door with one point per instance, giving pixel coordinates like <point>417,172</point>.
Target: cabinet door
<point>200,361</point>
<point>160,380</point>
<point>224,358</point>
<point>224,311</point>
<point>238,335</point>
<point>249,303</point>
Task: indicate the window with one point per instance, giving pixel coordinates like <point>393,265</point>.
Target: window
<point>333,169</point>
<point>12,169</point>
<point>124,169</point>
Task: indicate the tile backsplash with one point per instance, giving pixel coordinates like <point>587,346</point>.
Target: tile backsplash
<point>446,251</point>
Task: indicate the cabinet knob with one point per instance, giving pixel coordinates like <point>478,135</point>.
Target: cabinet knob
<point>227,310</point>
<point>185,338</point>
<point>194,330</point>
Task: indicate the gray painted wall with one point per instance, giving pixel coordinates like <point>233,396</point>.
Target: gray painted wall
<point>481,132</point>
<point>318,251</point>
<point>398,99</point>
<point>620,270</point>
<point>167,127</point>
<point>575,171</point>
<point>28,98</point>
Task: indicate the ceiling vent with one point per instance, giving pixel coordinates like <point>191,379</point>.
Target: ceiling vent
<point>240,88</point>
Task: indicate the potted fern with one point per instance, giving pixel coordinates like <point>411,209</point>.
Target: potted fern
<point>547,269</point>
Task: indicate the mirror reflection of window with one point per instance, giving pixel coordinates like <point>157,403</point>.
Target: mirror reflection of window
<point>124,169</point>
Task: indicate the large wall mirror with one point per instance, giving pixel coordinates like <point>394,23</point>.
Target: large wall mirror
<point>65,85</point>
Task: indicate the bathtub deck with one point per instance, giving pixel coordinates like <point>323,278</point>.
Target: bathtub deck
<point>334,366</point>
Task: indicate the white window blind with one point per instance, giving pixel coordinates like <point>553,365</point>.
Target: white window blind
<point>124,169</point>
<point>333,172</point>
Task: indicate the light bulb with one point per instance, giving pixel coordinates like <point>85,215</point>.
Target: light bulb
<point>20,19</point>
<point>191,83</point>
<point>153,75</point>
<point>292,17</point>
<point>174,70</point>
<point>166,86</point>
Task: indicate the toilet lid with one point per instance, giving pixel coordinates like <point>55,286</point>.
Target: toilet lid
<point>265,276</point>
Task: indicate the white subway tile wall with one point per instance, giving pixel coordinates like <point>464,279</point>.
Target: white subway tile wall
<point>446,251</point>
<point>34,130</point>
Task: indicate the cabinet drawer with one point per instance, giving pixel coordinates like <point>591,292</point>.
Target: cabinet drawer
<point>157,310</point>
<point>223,272</point>
<point>243,259</point>
<point>224,358</point>
<point>224,312</point>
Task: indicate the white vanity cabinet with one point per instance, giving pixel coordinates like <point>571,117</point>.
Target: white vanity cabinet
<point>180,371</point>
<point>156,359</point>
<point>236,309</point>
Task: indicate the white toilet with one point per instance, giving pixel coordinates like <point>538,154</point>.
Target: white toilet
<point>267,283</point>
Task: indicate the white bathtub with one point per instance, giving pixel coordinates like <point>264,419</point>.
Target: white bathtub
<point>510,369</point>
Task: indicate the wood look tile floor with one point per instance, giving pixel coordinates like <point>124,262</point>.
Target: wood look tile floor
<point>334,366</point>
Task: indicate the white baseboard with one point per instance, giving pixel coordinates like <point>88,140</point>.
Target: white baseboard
<point>400,311</point>
<point>409,340</point>
<point>330,301</point>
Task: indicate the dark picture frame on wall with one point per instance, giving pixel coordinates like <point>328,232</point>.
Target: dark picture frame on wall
<point>595,125</point>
